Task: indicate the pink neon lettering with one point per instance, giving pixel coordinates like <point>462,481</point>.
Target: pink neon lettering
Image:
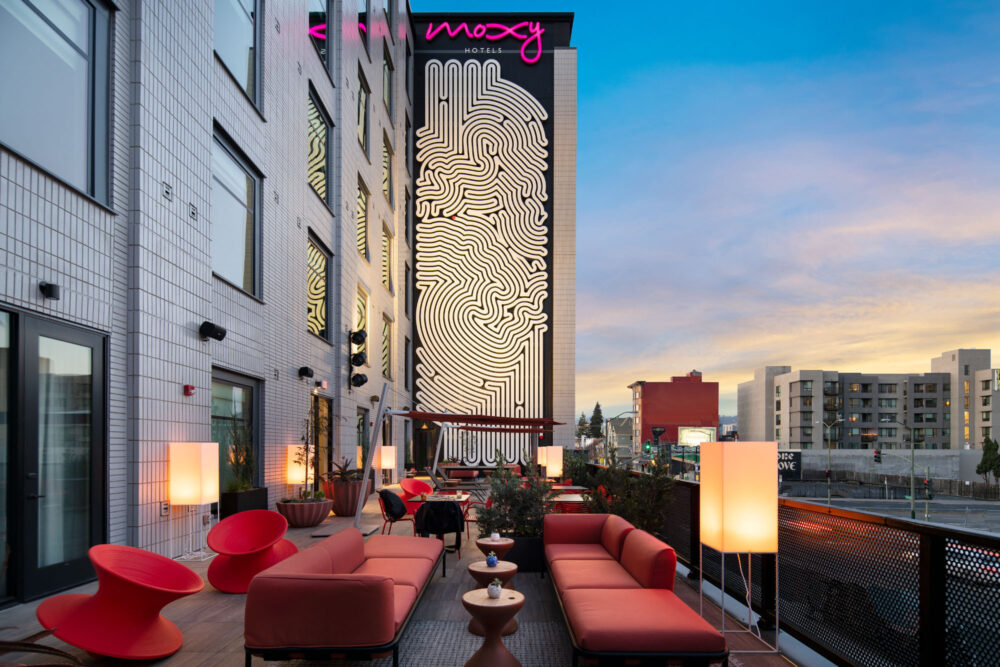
<point>318,31</point>
<point>527,31</point>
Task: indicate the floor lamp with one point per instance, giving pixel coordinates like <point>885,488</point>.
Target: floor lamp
<point>739,513</point>
<point>193,481</point>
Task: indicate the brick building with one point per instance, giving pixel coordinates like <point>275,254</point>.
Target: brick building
<point>683,401</point>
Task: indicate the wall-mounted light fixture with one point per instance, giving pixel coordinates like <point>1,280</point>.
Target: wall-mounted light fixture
<point>211,330</point>
<point>49,290</point>
<point>306,372</point>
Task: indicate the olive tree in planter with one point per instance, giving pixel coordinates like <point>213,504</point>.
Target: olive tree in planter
<point>312,505</point>
<point>518,511</point>
<point>240,494</point>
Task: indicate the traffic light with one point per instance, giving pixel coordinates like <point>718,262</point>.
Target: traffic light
<point>356,359</point>
<point>878,456</point>
<point>928,493</point>
<point>647,447</point>
<point>827,471</point>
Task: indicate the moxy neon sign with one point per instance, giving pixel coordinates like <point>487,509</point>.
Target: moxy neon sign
<point>529,32</point>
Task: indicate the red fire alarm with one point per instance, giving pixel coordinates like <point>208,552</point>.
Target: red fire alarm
<point>189,390</point>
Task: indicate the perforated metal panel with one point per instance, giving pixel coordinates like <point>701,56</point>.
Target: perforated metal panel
<point>678,527</point>
<point>973,604</point>
<point>851,586</point>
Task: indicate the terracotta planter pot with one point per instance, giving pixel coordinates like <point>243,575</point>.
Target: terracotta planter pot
<point>345,495</point>
<point>301,515</point>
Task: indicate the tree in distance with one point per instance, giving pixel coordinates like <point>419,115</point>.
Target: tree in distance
<point>596,422</point>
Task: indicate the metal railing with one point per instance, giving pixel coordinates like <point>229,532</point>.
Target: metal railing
<point>861,588</point>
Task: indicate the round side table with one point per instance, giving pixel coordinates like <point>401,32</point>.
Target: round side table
<point>483,575</point>
<point>494,615</point>
<point>498,546</point>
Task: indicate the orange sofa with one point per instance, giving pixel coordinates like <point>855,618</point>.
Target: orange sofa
<point>615,585</point>
<point>342,597</point>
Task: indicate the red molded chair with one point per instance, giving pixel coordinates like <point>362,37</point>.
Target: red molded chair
<point>122,619</point>
<point>247,543</point>
<point>413,487</point>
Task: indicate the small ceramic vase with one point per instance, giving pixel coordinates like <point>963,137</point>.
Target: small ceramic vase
<point>492,560</point>
<point>494,589</point>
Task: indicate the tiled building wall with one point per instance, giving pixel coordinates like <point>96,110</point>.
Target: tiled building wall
<point>564,260</point>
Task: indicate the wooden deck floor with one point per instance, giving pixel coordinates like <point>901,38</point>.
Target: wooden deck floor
<point>212,622</point>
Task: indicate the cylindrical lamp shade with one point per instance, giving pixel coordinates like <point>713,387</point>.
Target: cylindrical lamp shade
<point>552,458</point>
<point>739,496</point>
<point>295,465</point>
<point>387,457</point>
<point>193,473</point>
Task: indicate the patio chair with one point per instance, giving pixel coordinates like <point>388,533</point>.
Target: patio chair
<point>394,510</point>
<point>412,488</point>
<point>122,619</point>
<point>248,543</point>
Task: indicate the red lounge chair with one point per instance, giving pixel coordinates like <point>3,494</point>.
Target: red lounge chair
<point>247,543</point>
<point>122,620</point>
<point>387,521</point>
<point>412,488</point>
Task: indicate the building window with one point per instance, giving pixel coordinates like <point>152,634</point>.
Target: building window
<point>807,401</point>
<point>986,416</point>
<point>234,424</point>
<point>854,417</point>
<point>362,220</point>
<point>235,41</point>
<point>364,92</point>
<point>777,405</point>
<point>777,419</point>
<point>387,258</point>
<point>965,402</point>
<point>854,431</point>
<point>408,290</point>
<point>318,169</point>
<point>407,219</point>
<point>363,22</point>
<point>361,321</point>
<point>986,431</point>
<point>777,434</point>
<point>966,369</point>
<point>986,385</point>
<point>887,402</point>
<point>409,69</point>
<point>387,78</point>
<point>234,219</point>
<point>887,416</point>
<point>386,347</point>
<point>986,401</point>
<point>408,144</point>
<point>319,28</point>
<point>387,9</point>
<point>866,388</point>
<point>807,386</point>
<point>854,386</point>
<point>887,433</point>
<point>317,295</point>
<point>965,417</point>
<point>965,385</point>
<point>387,170</point>
<point>777,390</point>
<point>407,363</point>
<point>54,105</point>
<point>887,389</point>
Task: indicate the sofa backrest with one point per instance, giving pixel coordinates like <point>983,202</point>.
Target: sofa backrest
<point>573,528</point>
<point>613,534</point>
<point>341,553</point>
<point>650,562</point>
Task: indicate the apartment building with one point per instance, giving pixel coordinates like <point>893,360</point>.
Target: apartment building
<point>809,409</point>
<point>199,203</point>
<point>686,400</point>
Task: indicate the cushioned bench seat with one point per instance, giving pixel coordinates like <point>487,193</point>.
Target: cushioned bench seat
<point>570,574</point>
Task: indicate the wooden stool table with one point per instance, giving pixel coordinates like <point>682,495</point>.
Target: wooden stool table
<point>483,574</point>
<point>499,546</point>
<point>494,615</point>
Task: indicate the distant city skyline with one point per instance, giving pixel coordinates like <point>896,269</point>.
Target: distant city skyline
<point>808,184</point>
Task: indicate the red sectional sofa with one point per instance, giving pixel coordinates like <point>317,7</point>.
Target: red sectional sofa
<point>341,597</point>
<point>615,585</point>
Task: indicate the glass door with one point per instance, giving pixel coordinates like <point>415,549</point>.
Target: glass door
<point>62,425</point>
<point>6,381</point>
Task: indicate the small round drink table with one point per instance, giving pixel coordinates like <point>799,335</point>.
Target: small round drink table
<point>483,575</point>
<point>494,615</point>
<point>499,546</point>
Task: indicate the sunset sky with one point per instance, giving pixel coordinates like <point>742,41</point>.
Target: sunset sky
<point>801,183</point>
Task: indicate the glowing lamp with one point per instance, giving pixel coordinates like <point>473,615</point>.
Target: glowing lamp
<point>552,458</point>
<point>193,473</point>
<point>295,467</point>
<point>387,457</point>
<point>739,496</point>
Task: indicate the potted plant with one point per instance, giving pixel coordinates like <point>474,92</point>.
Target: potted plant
<point>239,494</point>
<point>518,511</point>
<point>345,487</point>
<point>641,499</point>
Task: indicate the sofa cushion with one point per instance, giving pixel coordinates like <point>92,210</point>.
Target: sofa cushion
<point>409,571</point>
<point>573,528</point>
<point>568,574</point>
<point>650,561</point>
<point>555,552</point>
<point>644,620</point>
<point>613,534</point>
<point>402,546</point>
<point>403,599</point>
<point>346,550</point>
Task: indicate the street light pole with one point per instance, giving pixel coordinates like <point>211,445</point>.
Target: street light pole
<point>913,491</point>
<point>829,456</point>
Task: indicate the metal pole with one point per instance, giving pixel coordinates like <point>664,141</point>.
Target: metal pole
<point>829,465</point>
<point>913,513</point>
<point>380,416</point>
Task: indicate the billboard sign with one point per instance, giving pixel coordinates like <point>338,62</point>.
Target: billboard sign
<point>790,464</point>
<point>692,436</point>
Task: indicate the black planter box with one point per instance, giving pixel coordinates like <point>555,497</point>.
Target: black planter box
<point>231,502</point>
<point>528,553</point>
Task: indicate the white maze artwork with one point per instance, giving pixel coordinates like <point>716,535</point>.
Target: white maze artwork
<point>482,259</point>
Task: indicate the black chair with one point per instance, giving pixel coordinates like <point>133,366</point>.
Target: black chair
<point>439,517</point>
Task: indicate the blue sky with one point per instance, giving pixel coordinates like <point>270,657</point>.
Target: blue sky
<point>806,183</point>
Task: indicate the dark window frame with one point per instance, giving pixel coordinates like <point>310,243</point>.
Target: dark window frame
<point>322,247</point>
<point>256,98</point>
<point>330,127</point>
<point>222,374</point>
<point>222,137</point>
